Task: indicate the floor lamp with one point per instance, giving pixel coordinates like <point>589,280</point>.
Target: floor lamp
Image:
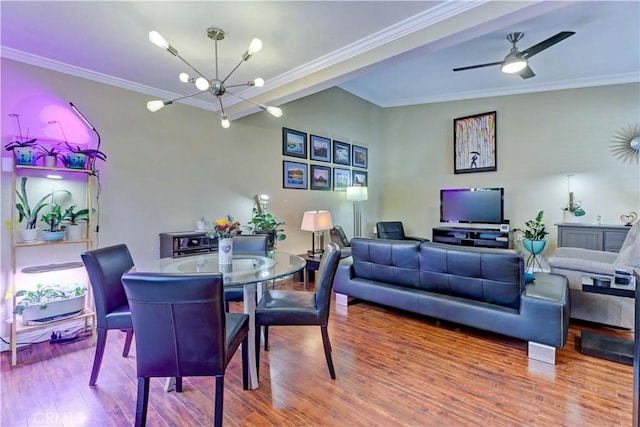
<point>317,222</point>
<point>357,194</point>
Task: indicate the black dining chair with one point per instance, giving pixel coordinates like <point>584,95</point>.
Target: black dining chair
<point>105,267</point>
<point>256,244</point>
<point>284,307</point>
<point>182,330</point>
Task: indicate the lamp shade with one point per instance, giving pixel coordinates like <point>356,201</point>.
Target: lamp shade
<point>316,221</point>
<point>357,193</point>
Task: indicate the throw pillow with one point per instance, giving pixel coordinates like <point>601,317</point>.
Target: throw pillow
<point>630,251</point>
<point>529,277</point>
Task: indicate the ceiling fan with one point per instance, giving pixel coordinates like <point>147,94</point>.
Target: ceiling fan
<point>518,62</point>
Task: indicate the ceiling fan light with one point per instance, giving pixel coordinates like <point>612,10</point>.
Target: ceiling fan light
<point>158,40</point>
<point>155,105</point>
<point>513,65</point>
<point>274,111</point>
<point>202,83</point>
<point>184,77</point>
<point>225,123</point>
<point>259,82</point>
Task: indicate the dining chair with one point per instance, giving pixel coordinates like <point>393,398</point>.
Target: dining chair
<point>182,330</point>
<point>105,267</point>
<point>290,308</point>
<point>245,244</point>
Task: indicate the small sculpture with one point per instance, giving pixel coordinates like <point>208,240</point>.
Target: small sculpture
<point>629,219</point>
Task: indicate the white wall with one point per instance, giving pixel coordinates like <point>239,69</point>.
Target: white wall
<point>541,138</point>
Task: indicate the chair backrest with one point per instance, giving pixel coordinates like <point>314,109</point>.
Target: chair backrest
<point>324,283</point>
<point>251,243</point>
<point>105,267</point>
<point>339,237</point>
<point>179,323</point>
<point>392,230</point>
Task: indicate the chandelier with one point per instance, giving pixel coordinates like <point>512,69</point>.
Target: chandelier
<point>216,86</point>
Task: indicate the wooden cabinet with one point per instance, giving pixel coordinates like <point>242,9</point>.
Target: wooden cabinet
<point>50,262</point>
<point>604,237</point>
<point>481,237</point>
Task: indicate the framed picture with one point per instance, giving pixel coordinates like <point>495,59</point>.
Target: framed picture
<point>294,175</point>
<point>359,178</point>
<point>294,143</point>
<point>341,179</point>
<point>474,145</point>
<point>320,177</point>
<point>341,153</point>
<point>360,157</point>
<point>320,148</point>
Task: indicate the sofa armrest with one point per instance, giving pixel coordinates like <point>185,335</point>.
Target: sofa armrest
<point>344,274</point>
<point>585,254</point>
<point>418,239</point>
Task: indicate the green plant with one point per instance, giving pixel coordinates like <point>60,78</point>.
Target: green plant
<point>47,151</point>
<point>44,294</point>
<point>73,217</point>
<point>264,222</point>
<point>89,152</point>
<point>534,228</point>
<point>54,218</point>
<point>15,144</point>
<point>24,209</point>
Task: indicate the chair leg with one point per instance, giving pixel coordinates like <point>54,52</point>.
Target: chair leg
<point>217,420</point>
<point>101,343</point>
<point>226,305</point>
<point>127,342</point>
<point>327,351</point>
<point>266,337</point>
<point>143,400</point>
<point>245,361</point>
<point>178,384</point>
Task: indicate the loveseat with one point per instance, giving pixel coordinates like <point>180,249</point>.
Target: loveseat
<point>478,287</point>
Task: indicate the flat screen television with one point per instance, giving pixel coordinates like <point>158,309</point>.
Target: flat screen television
<point>472,205</point>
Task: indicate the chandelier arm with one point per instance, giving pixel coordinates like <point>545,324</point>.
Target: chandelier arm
<point>238,85</point>
<point>262,106</point>
<point>188,96</point>
<point>232,71</point>
<point>192,67</point>
<point>221,106</point>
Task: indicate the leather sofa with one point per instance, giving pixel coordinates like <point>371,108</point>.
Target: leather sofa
<point>478,287</point>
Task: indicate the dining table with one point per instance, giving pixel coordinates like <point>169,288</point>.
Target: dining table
<point>249,270</point>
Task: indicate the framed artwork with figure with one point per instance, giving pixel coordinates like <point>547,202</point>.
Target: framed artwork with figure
<point>474,145</point>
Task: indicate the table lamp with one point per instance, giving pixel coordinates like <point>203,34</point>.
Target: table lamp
<point>357,194</point>
<point>317,222</point>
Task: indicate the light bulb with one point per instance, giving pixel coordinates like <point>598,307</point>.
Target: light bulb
<point>274,111</point>
<point>154,106</point>
<point>158,40</point>
<point>254,46</point>
<point>514,66</point>
<point>225,123</point>
<point>259,82</point>
<point>184,77</point>
<point>202,83</point>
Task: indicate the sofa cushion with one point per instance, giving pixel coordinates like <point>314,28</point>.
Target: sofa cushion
<point>630,251</point>
<point>390,261</point>
<point>494,276</point>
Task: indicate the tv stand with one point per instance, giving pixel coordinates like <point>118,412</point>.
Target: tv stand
<point>472,236</point>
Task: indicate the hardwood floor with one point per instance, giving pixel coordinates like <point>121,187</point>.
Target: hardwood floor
<point>393,369</point>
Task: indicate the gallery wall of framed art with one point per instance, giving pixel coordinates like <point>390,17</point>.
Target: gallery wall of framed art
<point>339,163</point>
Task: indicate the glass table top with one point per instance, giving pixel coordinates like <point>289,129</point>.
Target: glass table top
<point>245,268</point>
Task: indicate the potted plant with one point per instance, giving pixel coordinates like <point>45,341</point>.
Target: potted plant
<point>49,154</point>
<point>534,237</point>
<point>77,157</point>
<point>73,218</point>
<point>48,301</point>
<point>24,149</point>
<point>263,222</point>
<point>30,233</point>
<point>572,210</point>
<point>54,219</point>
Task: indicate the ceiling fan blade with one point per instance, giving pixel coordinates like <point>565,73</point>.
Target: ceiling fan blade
<point>537,48</point>
<point>526,73</point>
<point>471,67</point>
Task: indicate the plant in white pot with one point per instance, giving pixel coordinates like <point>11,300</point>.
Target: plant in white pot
<point>74,220</point>
<point>49,302</point>
<point>49,155</point>
<point>26,212</point>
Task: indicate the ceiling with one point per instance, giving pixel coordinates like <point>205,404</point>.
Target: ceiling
<point>391,53</point>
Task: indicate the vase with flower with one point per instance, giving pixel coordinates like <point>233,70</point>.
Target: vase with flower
<point>224,229</point>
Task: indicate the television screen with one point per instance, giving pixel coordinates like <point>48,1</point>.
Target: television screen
<point>472,205</point>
